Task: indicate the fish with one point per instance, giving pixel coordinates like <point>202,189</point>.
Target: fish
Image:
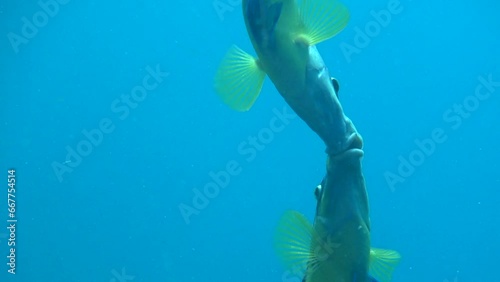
<point>284,34</point>
<point>337,246</point>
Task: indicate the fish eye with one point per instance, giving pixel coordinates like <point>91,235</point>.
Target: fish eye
<point>317,192</point>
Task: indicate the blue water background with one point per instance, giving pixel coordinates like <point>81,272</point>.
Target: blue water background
<point>117,211</point>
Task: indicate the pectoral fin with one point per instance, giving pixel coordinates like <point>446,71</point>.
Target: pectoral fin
<point>239,79</point>
<point>293,241</point>
<point>382,263</point>
<point>323,19</point>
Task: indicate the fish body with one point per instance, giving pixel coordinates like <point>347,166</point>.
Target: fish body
<point>283,34</point>
<point>336,247</point>
<point>342,219</point>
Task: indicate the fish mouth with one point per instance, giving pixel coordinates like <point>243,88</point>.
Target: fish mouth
<point>346,160</point>
<point>352,148</point>
<point>350,153</point>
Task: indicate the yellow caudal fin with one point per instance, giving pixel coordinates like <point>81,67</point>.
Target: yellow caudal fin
<point>382,263</point>
<point>239,80</point>
<point>292,241</point>
<point>323,19</point>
